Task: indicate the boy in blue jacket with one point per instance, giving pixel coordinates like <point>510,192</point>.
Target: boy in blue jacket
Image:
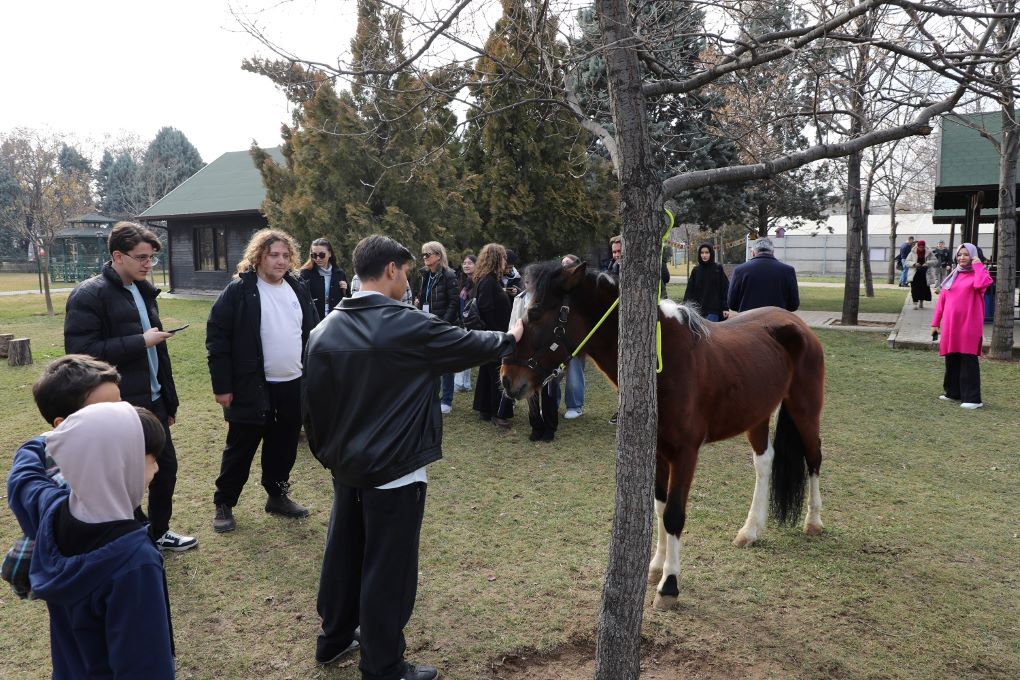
<point>66,385</point>
<point>94,565</point>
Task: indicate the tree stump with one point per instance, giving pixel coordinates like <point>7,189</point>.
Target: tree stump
<point>19,352</point>
<point>5,341</point>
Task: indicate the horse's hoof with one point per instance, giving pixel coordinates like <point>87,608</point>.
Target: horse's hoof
<point>654,575</point>
<point>743,540</point>
<point>812,529</point>
<point>664,602</point>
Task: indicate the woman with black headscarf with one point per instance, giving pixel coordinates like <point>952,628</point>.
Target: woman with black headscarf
<point>708,286</point>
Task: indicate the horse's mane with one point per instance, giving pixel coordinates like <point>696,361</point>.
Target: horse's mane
<point>687,315</point>
<point>544,278</point>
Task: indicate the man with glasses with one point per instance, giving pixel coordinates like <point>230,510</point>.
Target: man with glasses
<point>113,316</point>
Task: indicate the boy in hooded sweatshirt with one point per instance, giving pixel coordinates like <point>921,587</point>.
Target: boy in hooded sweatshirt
<point>94,565</point>
<point>66,385</point>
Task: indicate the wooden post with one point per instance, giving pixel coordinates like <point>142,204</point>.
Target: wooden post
<point>5,341</point>
<point>19,352</point>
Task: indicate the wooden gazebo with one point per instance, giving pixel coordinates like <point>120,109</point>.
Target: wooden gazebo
<point>80,250</point>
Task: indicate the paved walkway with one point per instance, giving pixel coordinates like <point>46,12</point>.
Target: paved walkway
<point>913,329</point>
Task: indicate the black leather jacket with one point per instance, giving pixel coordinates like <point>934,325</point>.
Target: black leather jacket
<point>233,340</point>
<point>101,320</point>
<point>370,395</point>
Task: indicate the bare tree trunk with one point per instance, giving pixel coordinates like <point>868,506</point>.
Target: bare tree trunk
<point>1005,277</point>
<point>44,262</point>
<point>618,648</point>
<point>893,246</point>
<point>854,226</point>
<point>869,285</point>
<point>763,220</point>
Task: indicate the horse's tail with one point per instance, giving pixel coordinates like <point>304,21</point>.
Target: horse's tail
<point>789,470</point>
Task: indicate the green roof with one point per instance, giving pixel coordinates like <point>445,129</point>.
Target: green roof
<point>230,184</point>
<point>966,159</point>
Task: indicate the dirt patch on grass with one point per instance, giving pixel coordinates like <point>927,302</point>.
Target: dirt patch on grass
<point>866,324</point>
<point>576,661</point>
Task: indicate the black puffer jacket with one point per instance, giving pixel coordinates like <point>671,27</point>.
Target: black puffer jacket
<point>317,288</point>
<point>440,292</point>
<point>101,320</point>
<point>370,394</point>
<point>233,341</point>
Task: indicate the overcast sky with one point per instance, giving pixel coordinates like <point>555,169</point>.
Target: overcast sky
<point>100,70</point>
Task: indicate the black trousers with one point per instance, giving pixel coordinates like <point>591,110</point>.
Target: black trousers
<point>963,378</point>
<point>279,438</point>
<point>370,573</point>
<point>487,391</point>
<point>543,409</point>
<point>161,489</point>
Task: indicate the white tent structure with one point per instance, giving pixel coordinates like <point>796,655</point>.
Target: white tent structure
<point>820,248</point>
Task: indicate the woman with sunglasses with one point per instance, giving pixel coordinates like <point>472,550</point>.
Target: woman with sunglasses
<point>438,295</point>
<point>326,281</point>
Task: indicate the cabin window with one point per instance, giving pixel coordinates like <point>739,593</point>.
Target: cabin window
<point>210,249</point>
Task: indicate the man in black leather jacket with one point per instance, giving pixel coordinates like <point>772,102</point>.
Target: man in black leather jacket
<point>377,444</point>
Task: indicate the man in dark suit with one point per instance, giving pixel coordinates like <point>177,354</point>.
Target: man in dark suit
<point>763,281</point>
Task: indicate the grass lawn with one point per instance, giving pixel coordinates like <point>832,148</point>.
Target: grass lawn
<point>17,281</point>
<point>915,576</point>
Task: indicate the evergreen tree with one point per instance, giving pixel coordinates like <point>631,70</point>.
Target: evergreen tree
<point>12,244</point>
<point>540,193</point>
<point>169,160</point>
<point>368,160</point>
<point>683,128</point>
<point>71,160</point>
<point>119,181</point>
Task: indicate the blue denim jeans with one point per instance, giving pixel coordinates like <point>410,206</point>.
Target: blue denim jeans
<point>462,379</point>
<point>447,387</point>
<point>574,390</point>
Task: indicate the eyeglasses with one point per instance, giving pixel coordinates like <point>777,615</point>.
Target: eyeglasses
<point>319,256</point>
<point>142,259</point>
<point>428,254</point>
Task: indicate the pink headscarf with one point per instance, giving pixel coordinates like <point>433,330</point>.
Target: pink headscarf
<point>973,252</point>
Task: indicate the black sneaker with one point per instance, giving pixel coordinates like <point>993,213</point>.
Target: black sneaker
<point>324,656</point>
<point>282,505</point>
<point>615,419</point>
<point>414,672</point>
<point>224,519</point>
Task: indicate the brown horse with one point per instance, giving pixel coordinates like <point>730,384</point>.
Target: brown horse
<point>718,380</point>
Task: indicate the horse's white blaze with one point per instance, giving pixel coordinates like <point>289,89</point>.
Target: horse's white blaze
<point>672,565</point>
<point>669,308</point>
<point>814,513</point>
<point>758,512</point>
<point>660,546</point>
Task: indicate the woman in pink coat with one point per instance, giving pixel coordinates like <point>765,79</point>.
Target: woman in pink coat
<point>960,313</point>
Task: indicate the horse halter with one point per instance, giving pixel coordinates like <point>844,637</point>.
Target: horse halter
<point>558,339</point>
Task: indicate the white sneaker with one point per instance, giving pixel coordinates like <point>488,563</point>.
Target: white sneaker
<point>945,398</point>
<point>971,405</point>
<point>175,542</point>
<point>572,413</point>
<point>446,408</point>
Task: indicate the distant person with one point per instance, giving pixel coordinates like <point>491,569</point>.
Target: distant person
<point>439,296</point>
<point>66,385</point>
<point>255,340</point>
<point>921,266</point>
<point>462,381</point>
<point>573,390</point>
<point>494,308</point>
<point>326,281</point>
<point>616,249</point>
<point>960,315</point>
<point>114,316</point>
<point>904,251</point>
<point>708,286</point>
<point>377,446</point>
<point>763,281</point>
<point>511,278</point>
<point>94,564</point>
<point>942,255</point>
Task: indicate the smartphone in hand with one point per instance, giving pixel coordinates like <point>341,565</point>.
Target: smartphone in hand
<point>180,328</point>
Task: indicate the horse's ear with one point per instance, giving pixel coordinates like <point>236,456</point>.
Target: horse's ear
<point>574,274</point>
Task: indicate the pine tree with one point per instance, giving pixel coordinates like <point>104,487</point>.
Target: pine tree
<point>169,160</point>
<point>539,193</point>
